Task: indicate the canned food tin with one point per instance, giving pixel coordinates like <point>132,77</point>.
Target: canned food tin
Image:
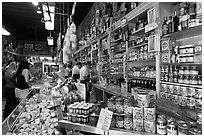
<point>149,114</point>
<point>183,91</point>
<point>79,118</point>
<point>182,128</point>
<point>138,125</point>
<point>161,126</point>
<point>143,99</point>
<point>172,128</point>
<point>149,126</point>
<point>165,95</point>
<point>119,121</point>
<point>176,89</point>
<point>128,123</point>
<point>164,87</point>
<point>138,112</point>
<point>195,131</point>
<point>171,87</point>
<point>161,95</point>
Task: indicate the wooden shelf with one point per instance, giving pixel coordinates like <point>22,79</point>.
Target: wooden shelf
<point>180,64</point>
<point>180,84</point>
<point>190,32</point>
<point>117,40</point>
<point>138,32</point>
<point>138,46</point>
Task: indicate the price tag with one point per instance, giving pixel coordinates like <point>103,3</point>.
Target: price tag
<point>104,120</point>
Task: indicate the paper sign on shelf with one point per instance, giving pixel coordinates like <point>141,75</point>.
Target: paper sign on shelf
<point>104,120</point>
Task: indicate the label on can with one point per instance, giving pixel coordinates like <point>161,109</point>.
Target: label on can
<point>149,126</point>
<point>149,114</point>
<point>143,100</point>
<point>138,125</point>
<point>137,113</point>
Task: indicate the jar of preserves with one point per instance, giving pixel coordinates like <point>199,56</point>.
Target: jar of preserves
<point>194,79</point>
<point>194,70</point>
<point>175,78</point>
<point>181,70</point>
<point>161,125</point>
<point>111,104</point>
<point>182,128</point>
<point>199,79</point>
<point>181,79</point>
<point>119,121</point>
<point>128,123</point>
<point>195,131</point>
<point>119,105</point>
<point>186,79</point>
<point>172,128</point>
<point>186,70</point>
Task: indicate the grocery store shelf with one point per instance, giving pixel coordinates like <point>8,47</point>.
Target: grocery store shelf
<point>179,84</point>
<point>95,130</point>
<point>143,78</point>
<point>143,44</point>
<point>190,32</point>
<point>138,32</point>
<point>139,61</point>
<point>180,64</point>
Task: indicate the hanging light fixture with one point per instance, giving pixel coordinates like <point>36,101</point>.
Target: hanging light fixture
<point>5,32</point>
<point>49,15</point>
<point>50,40</point>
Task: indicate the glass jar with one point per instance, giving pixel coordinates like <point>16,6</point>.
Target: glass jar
<point>128,123</point>
<point>119,121</point>
<point>84,119</point>
<point>199,79</point>
<point>186,70</point>
<point>186,79</point>
<point>80,110</point>
<point>119,105</point>
<point>194,79</point>
<point>175,78</point>
<point>180,79</point>
<point>161,125</point>
<point>181,70</point>
<point>111,104</point>
<point>79,118</point>
<point>175,70</point>
<point>194,70</point>
<point>172,128</point>
<point>74,118</point>
<point>182,128</point>
<point>86,110</point>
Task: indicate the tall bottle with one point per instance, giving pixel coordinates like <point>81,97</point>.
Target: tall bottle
<point>175,22</point>
<point>165,27</point>
<point>184,15</point>
<point>170,23</point>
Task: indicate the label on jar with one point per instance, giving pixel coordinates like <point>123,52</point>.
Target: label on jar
<point>128,110</point>
<point>128,123</point>
<point>149,126</point>
<point>149,114</point>
<point>137,113</point>
<point>176,89</point>
<point>138,125</point>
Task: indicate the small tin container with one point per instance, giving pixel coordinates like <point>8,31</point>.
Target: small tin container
<point>183,101</point>
<point>172,128</point>
<point>74,118</point>
<point>149,126</point>
<point>150,113</point>
<point>79,118</point>
<point>161,125</point>
<point>138,125</point>
<point>190,91</point>
<point>191,102</point>
<point>198,93</point>
<point>182,128</point>
<point>143,99</point>
<point>138,112</point>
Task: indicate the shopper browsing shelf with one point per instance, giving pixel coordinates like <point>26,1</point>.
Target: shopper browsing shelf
<point>22,80</point>
<point>76,71</point>
<point>11,100</point>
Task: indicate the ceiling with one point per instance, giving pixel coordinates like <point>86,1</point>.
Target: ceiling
<point>22,20</point>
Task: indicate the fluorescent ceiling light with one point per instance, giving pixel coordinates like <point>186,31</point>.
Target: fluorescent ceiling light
<point>49,24</point>
<point>5,32</point>
<point>35,3</point>
<point>50,41</point>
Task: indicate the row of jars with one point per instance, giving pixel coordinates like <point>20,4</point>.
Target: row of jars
<point>182,90</point>
<point>80,108</point>
<point>140,55</point>
<point>180,70</point>
<point>148,72</point>
<point>166,126</point>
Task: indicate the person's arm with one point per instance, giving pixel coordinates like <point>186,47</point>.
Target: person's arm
<point>26,75</point>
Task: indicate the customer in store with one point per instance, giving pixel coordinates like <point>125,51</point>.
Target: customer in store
<point>76,71</point>
<point>11,100</point>
<point>22,80</point>
<point>61,73</point>
<point>85,78</point>
<point>68,70</point>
